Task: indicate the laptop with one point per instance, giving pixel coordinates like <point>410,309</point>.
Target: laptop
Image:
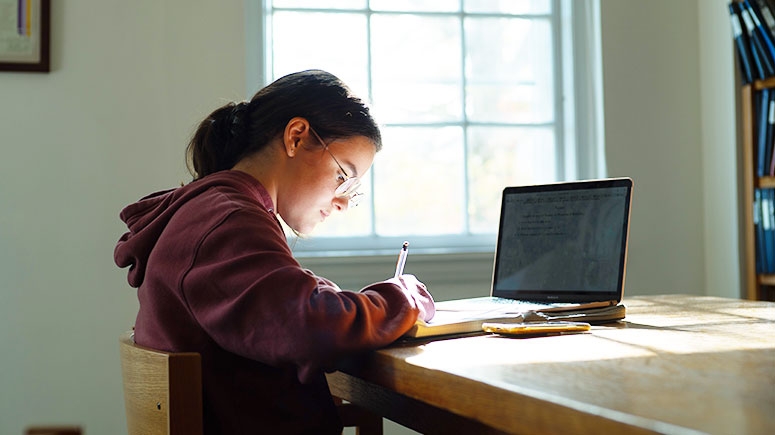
<point>561,247</point>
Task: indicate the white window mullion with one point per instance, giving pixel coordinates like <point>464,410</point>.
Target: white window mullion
<point>464,119</point>
<point>557,81</point>
<point>370,87</point>
<point>584,85</point>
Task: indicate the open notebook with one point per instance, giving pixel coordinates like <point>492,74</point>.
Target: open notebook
<point>561,251</point>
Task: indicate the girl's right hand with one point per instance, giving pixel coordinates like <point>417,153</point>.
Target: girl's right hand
<point>419,293</point>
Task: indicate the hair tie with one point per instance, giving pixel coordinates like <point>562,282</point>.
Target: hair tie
<point>235,119</point>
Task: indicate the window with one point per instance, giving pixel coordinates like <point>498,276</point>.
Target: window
<point>471,95</point>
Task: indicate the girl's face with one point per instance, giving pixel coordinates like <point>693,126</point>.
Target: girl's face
<point>308,194</point>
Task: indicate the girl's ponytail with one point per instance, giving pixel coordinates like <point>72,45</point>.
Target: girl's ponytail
<point>219,141</point>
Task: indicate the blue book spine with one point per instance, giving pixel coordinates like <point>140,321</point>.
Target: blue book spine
<point>762,122</point>
<point>758,231</point>
<point>767,65</point>
<point>767,18</point>
<point>741,43</point>
<point>750,35</point>
<point>766,231</point>
<point>772,159</point>
<point>761,25</point>
<point>769,217</point>
<point>763,38</point>
<point>770,135</point>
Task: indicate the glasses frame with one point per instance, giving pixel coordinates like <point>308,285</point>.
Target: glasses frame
<point>349,187</point>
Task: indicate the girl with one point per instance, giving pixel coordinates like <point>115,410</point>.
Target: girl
<point>215,274</point>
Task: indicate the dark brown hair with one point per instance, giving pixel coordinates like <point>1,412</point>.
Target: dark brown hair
<point>237,130</point>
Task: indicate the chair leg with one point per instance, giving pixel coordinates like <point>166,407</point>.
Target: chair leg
<point>364,421</point>
<point>370,425</point>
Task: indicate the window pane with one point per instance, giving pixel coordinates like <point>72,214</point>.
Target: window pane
<point>295,51</point>
<point>320,4</point>
<point>463,114</point>
<point>419,182</point>
<point>500,157</point>
<point>509,6</point>
<point>520,89</point>
<point>416,5</point>
<point>417,69</point>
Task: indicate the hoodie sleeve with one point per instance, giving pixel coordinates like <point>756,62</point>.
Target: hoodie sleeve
<point>255,300</point>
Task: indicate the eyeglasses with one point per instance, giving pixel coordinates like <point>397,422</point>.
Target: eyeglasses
<point>348,187</point>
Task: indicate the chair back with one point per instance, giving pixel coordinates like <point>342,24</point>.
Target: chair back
<point>162,390</point>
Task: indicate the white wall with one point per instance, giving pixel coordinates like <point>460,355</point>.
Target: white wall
<point>652,133</point>
<point>130,80</point>
<point>720,176</point>
<point>107,125</point>
<point>683,234</point>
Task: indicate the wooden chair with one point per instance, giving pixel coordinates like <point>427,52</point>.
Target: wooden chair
<point>364,422</point>
<point>163,393</point>
<point>162,390</point>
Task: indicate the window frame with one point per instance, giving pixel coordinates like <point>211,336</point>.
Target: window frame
<point>578,122</point>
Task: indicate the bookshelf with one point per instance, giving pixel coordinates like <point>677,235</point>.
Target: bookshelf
<point>757,285</point>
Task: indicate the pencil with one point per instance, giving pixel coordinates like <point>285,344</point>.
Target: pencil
<point>402,259</point>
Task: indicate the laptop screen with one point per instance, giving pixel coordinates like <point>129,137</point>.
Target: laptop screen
<point>563,242</point>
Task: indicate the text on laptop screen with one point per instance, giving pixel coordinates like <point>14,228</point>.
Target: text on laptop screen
<point>562,240</point>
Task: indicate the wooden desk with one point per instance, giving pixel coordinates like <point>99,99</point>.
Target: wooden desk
<point>677,364</point>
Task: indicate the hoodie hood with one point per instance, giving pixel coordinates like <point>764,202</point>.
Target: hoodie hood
<point>147,218</point>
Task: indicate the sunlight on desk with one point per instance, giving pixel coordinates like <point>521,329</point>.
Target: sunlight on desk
<point>677,364</point>
<point>695,338</point>
<point>631,339</point>
<point>751,312</point>
<point>482,352</point>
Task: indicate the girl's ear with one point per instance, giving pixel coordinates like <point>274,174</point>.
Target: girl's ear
<point>295,132</point>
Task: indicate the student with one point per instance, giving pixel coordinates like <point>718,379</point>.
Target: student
<point>215,274</point>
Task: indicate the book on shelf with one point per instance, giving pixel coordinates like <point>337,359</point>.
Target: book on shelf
<point>768,218</point>
<point>770,132</point>
<point>772,161</point>
<point>762,25</point>
<point>764,132</point>
<point>763,128</point>
<point>759,251</point>
<point>447,323</point>
<point>757,70</point>
<point>764,230</point>
<point>765,23</point>
<point>761,37</point>
<point>741,44</point>
<point>761,67</point>
<point>765,15</point>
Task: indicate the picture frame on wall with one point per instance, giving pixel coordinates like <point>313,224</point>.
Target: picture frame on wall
<point>25,35</point>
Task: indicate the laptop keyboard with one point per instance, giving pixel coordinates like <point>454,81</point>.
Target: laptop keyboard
<point>493,303</point>
<point>506,301</point>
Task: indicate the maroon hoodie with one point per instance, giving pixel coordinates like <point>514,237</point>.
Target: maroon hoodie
<point>215,275</point>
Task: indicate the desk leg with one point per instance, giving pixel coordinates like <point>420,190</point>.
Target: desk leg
<point>412,413</point>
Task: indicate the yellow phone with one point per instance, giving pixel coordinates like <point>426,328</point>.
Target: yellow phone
<point>529,328</point>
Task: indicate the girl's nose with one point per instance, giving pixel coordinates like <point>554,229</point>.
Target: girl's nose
<point>341,203</point>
